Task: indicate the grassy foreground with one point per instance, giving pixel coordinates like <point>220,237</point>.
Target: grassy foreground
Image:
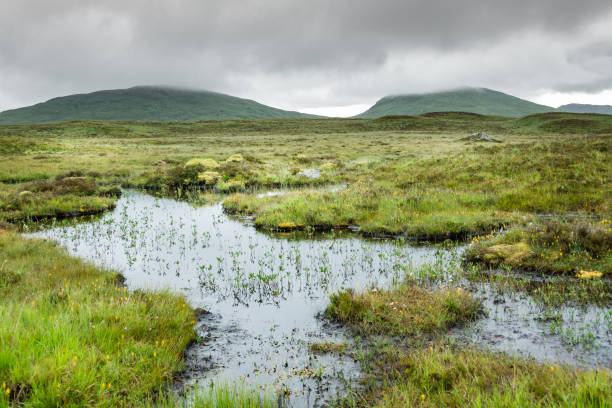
<point>405,368</point>
<point>71,335</point>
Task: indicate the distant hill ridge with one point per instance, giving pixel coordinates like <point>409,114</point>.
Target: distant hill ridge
<point>164,103</point>
<point>145,103</point>
<point>475,100</point>
<point>584,108</point>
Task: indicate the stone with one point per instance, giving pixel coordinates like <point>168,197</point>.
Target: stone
<point>311,174</point>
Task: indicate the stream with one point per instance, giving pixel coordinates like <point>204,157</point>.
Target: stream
<point>263,294</point>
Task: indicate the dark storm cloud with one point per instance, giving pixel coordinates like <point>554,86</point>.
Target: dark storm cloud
<point>298,53</point>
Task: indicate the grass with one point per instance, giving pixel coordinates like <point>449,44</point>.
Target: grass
<point>400,373</point>
<point>66,195</point>
<point>219,395</point>
<point>80,338</point>
<point>407,310</point>
<point>442,376</point>
<point>407,175</point>
<point>469,192</point>
<point>549,246</point>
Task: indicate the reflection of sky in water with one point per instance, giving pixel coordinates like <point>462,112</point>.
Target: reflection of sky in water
<point>265,291</point>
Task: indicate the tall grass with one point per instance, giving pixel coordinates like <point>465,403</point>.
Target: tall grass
<point>71,335</point>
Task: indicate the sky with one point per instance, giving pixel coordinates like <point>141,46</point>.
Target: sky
<point>325,57</point>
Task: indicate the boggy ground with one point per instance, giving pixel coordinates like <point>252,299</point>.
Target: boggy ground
<point>409,361</point>
<point>71,341</point>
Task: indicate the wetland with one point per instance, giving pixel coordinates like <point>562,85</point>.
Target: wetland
<point>414,267</point>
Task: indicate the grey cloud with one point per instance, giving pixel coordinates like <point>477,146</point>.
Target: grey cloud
<point>321,52</point>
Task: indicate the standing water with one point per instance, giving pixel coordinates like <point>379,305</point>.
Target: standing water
<point>263,293</point>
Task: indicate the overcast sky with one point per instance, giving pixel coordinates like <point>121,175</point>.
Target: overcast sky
<point>327,57</point>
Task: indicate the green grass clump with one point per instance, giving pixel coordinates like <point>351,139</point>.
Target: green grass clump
<point>405,310</point>
<point>71,335</point>
<point>66,195</point>
<point>377,209</point>
<point>219,395</point>
<point>443,377</point>
<point>327,347</point>
<point>550,246</point>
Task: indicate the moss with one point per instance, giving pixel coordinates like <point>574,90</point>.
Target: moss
<point>235,158</point>
<point>589,274</point>
<point>327,347</point>
<point>510,254</point>
<point>553,246</point>
<point>328,166</point>
<point>208,164</point>
<point>209,177</point>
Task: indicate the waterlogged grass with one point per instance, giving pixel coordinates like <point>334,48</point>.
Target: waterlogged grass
<point>66,195</point>
<point>469,192</point>
<point>429,370</point>
<point>407,310</point>
<point>327,347</point>
<point>550,246</point>
<point>416,213</point>
<point>441,376</point>
<point>71,335</point>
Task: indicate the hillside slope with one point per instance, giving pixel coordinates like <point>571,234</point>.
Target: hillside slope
<point>476,100</point>
<point>144,103</point>
<point>584,108</point>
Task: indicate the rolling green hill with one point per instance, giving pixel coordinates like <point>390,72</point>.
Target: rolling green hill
<point>145,103</point>
<point>583,108</point>
<point>476,100</point>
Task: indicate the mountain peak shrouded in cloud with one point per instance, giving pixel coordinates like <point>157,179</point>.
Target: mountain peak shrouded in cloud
<point>144,103</point>
<point>304,55</point>
<point>474,100</point>
<point>586,108</point>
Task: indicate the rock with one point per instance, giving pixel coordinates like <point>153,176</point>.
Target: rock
<point>481,137</point>
<point>311,174</point>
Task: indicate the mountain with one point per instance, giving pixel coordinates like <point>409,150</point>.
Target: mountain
<point>475,100</point>
<point>145,103</point>
<point>582,108</point>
